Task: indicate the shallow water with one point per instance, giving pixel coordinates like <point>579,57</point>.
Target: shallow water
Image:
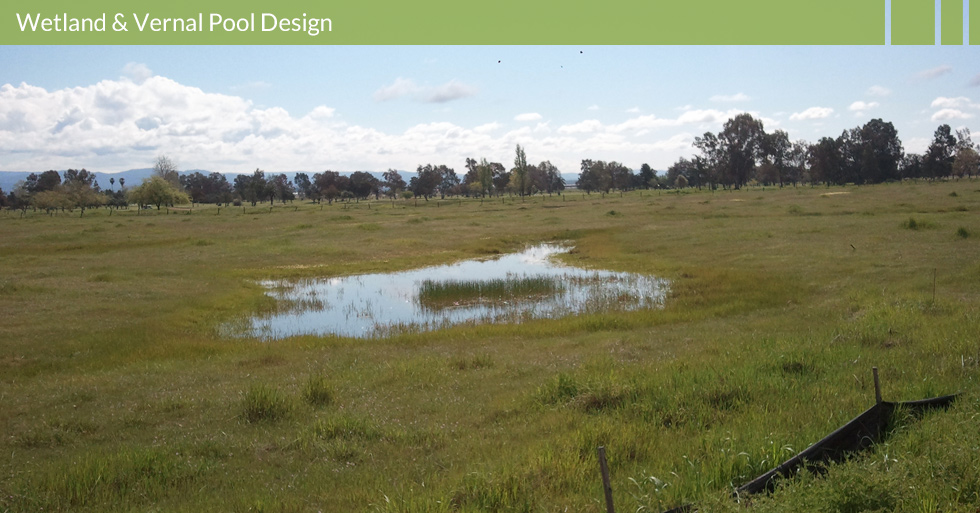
<point>373,305</point>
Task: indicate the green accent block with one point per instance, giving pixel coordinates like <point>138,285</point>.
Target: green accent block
<point>952,22</point>
<point>975,22</point>
<point>913,22</point>
<point>444,22</point>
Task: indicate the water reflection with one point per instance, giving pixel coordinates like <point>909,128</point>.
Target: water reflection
<point>373,305</point>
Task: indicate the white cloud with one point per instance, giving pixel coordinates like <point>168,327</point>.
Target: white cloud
<point>121,124</point>
<point>682,141</point>
<point>321,112</point>
<point>950,114</point>
<point>593,107</point>
<point>738,97</point>
<point>582,127</point>
<point>960,102</point>
<point>812,113</point>
<point>877,90</point>
<point>705,116</point>
<point>953,108</point>
<point>487,127</point>
<point>932,73</point>
<point>527,116</point>
<point>453,90</point>
<point>402,87</point>
<point>860,106</point>
<point>634,110</point>
<point>137,72</point>
<point>916,144</point>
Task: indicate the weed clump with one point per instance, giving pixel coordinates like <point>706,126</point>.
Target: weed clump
<point>962,233</point>
<point>317,391</point>
<point>262,403</point>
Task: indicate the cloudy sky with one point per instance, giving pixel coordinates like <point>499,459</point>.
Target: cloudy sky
<point>235,108</point>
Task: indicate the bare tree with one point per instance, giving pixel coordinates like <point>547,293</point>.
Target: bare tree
<point>166,168</point>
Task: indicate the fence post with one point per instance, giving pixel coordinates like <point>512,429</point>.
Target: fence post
<point>606,486</point>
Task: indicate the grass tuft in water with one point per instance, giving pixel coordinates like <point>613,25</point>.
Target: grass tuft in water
<point>444,294</point>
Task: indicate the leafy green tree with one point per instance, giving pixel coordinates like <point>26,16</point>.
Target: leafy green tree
<point>303,185</point>
<point>881,152</point>
<point>519,175</point>
<point>647,176</point>
<point>620,176</point>
<point>363,184</point>
<point>826,161</point>
<point>588,176</point>
<point>966,162</point>
<point>426,181</point>
<point>157,191</point>
<point>796,163</point>
<point>253,188</point>
<point>938,160</point>
<point>51,200</point>
<point>280,187</point>
<point>46,181</point>
<point>683,167</point>
<point>486,176</point>
<point>393,183</point>
<point>775,153</point>
<point>330,184</point>
<point>501,177</point>
<point>739,144</point>
<point>554,183</point>
<point>449,182</point>
<point>912,166</point>
<point>711,159</point>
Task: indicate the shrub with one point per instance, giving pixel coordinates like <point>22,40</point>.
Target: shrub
<point>962,233</point>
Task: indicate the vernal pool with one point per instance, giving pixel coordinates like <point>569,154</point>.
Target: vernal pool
<point>511,288</point>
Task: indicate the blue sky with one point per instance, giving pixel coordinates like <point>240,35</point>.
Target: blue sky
<point>235,108</point>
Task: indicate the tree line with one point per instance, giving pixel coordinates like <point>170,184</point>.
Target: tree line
<point>742,153</point>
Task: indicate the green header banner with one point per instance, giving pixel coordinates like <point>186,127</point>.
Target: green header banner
<point>444,22</point>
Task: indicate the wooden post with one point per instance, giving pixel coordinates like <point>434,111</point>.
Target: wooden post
<point>874,370</point>
<point>606,486</point>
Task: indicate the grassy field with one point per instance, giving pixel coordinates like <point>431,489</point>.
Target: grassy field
<point>119,391</point>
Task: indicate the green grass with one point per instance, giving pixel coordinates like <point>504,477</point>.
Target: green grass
<point>120,392</point>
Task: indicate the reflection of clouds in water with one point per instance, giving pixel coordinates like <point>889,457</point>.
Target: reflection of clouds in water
<point>376,304</point>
